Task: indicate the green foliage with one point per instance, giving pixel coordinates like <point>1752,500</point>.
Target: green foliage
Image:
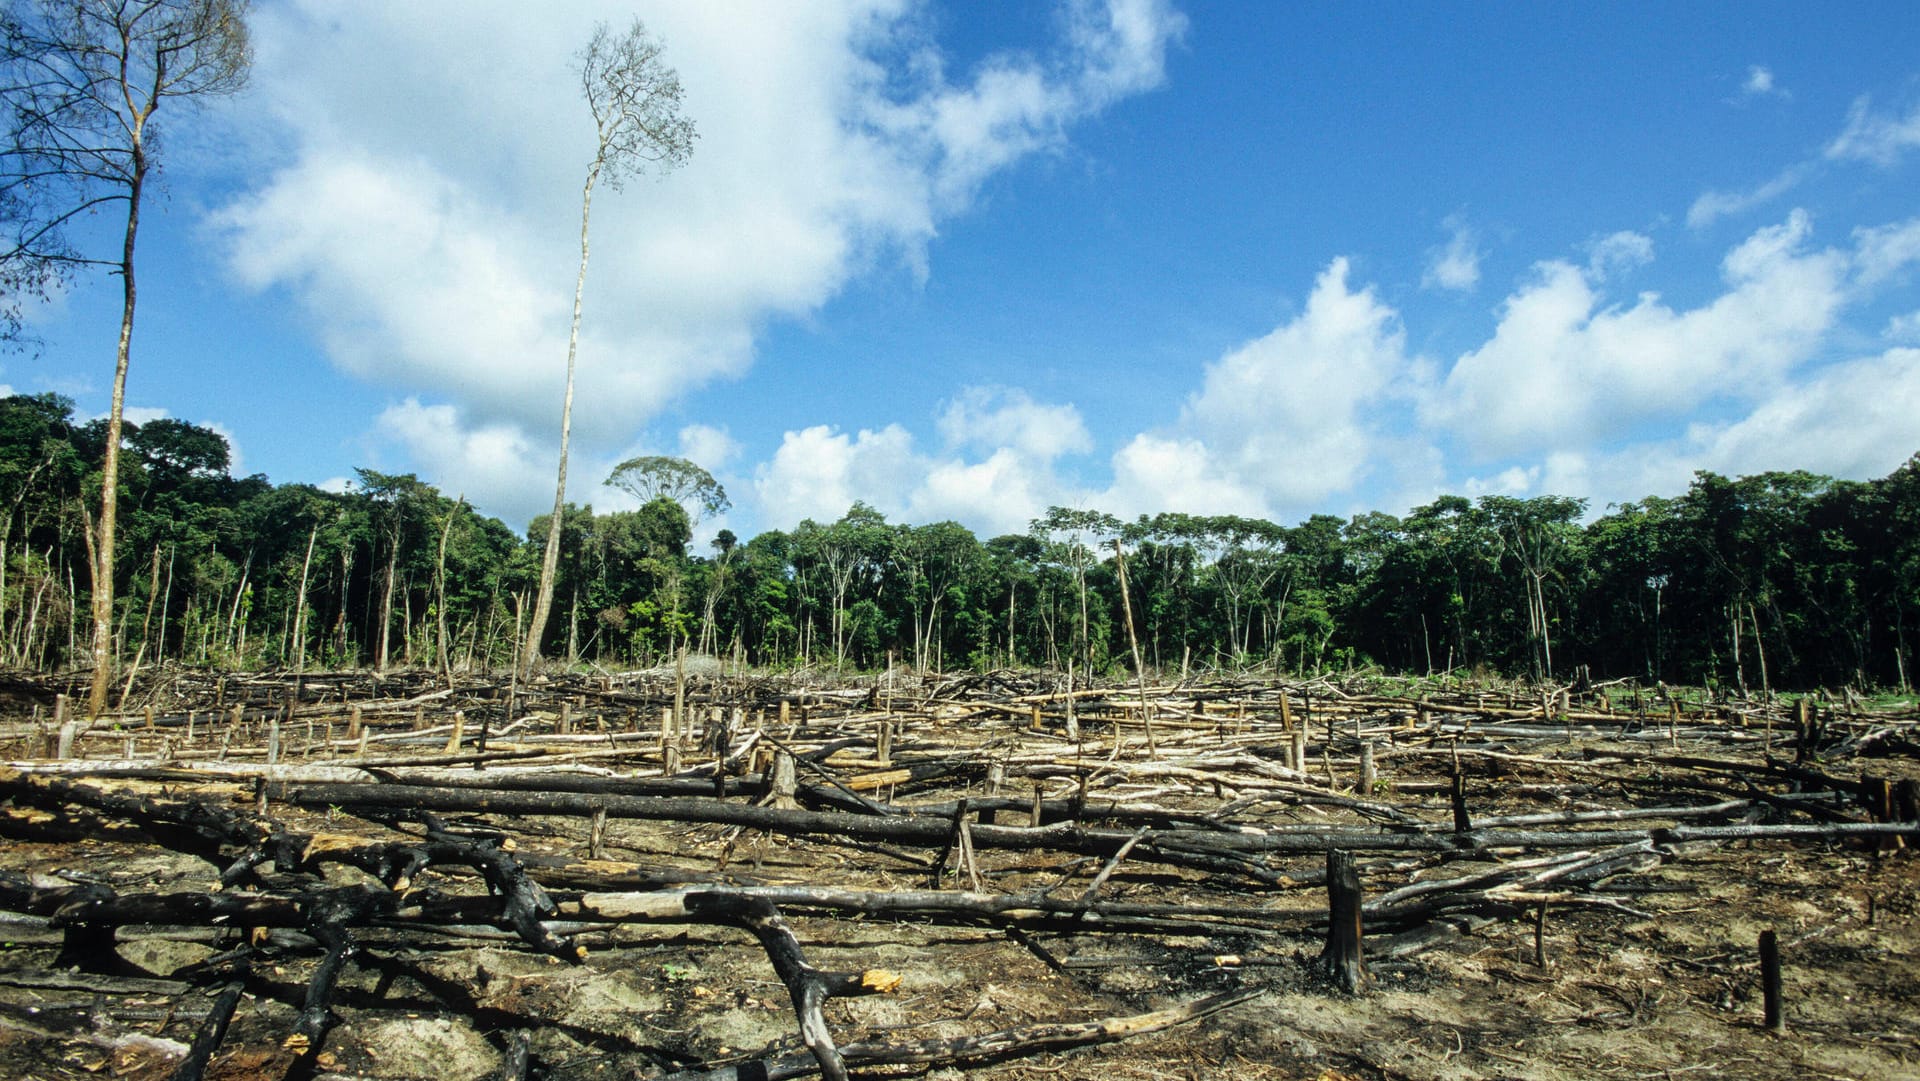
<point>1781,580</point>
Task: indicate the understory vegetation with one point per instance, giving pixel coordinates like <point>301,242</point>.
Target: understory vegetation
<point>1779,580</point>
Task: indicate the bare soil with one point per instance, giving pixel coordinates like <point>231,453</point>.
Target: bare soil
<point>1651,972</point>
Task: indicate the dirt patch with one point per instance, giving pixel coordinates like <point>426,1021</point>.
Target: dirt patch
<point>1645,968</point>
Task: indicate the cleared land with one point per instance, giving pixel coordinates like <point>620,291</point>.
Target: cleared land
<point>995,876</point>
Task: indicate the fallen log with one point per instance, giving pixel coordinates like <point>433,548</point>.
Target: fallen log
<point>966,1050</point>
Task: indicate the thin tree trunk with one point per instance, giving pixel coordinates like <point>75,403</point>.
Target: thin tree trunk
<point>1546,634</point>
<point>1011,586</point>
<point>166,605</point>
<point>1739,666</point>
<point>300,613</point>
<point>440,604</point>
<point>110,466</point>
<point>146,625</point>
<point>550,560</point>
<point>386,601</point>
<point>233,614</point>
<point>340,618</point>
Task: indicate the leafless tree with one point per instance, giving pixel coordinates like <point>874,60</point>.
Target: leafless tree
<point>635,100</point>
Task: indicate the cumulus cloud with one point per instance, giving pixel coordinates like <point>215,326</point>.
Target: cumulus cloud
<point>1857,418</point>
<point>1563,368</point>
<point>1156,473</point>
<point>1283,422</point>
<point>1456,264</point>
<point>708,447</point>
<point>433,242</point>
<point>1903,328</point>
<point>1617,253</point>
<point>994,417</point>
<point>996,471</point>
<point>495,466</point>
<point>819,472</point>
<point>1288,411</point>
<point>1572,392</point>
<point>1881,252</point>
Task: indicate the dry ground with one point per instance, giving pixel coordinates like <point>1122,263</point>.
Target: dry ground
<point>1651,973</point>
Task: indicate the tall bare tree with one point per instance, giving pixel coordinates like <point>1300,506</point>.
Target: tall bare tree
<point>635,100</point>
<point>83,81</point>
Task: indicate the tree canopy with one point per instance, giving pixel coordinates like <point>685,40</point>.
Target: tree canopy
<point>1772,581</point>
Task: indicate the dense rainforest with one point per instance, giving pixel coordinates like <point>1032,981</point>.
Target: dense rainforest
<point>1781,580</point>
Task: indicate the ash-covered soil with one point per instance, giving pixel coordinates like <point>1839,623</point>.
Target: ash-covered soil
<point>1646,969</point>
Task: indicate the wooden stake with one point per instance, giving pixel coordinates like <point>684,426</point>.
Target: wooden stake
<point>459,730</point>
<point>1368,775</point>
<point>1458,791</point>
<point>597,835</point>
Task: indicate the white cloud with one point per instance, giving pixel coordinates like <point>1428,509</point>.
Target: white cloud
<point>1883,251</point>
<point>494,466</point>
<point>993,417</point>
<point>1713,205</point>
<point>1760,83</point>
<point>1857,419</point>
<point>1879,138</point>
<point>1903,328</point>
<point>139,414</point>
<point>1513,481</point>
<point>996,472</point>
<point>711,448</point>
<point>1000,494</point>
<point>1456,264</point>
<point>819,472</point>
<point>429,225</point>
<point>1570,393</point>
<point>1562,370</point>
<point>1154,473</point>
<point>1617,253</point>
<point>236,461</point>
<point>1288,414</point>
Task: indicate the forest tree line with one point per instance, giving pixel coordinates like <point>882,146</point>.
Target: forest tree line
<point>1774,581</point>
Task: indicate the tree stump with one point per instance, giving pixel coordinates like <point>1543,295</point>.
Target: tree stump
<point>1342,960</point>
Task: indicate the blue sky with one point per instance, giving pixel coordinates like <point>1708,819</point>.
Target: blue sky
<point>970,260</point>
